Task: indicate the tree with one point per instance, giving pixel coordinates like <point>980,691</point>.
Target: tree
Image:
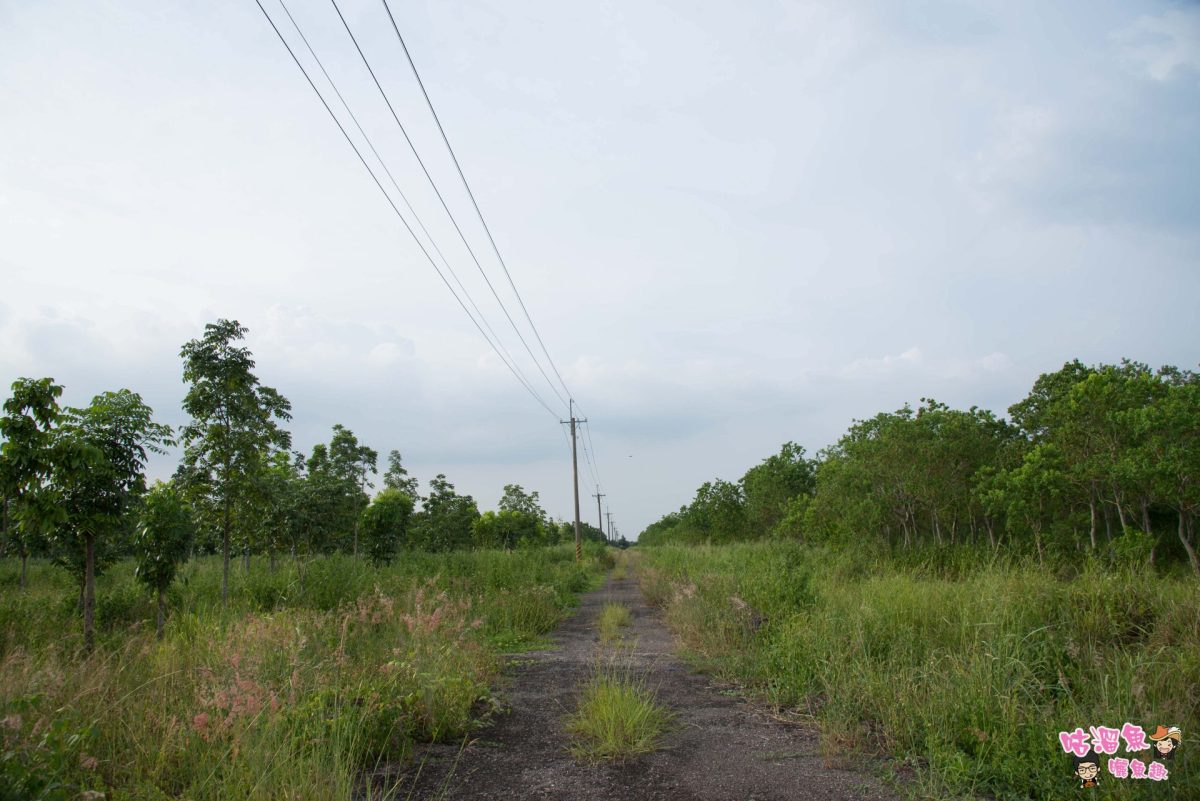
<point>446,518</point>
<point>331,498</point>
<point>98,473</point>
<point>385,525</point>
<point>163,542</point>
<point>26,461</point>
<point>234,426</point>
<point>516,499</point>
<point>1172,431</point>
<point>771,484</point>
<point>353,461</point>
<point>718,512</point>
<point>397,477</point>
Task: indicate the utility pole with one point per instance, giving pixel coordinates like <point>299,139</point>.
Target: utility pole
<point>598,495</point>
<point>611,538</point>
<point>575,475</point>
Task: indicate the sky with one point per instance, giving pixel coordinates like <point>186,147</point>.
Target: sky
<point>733,224</point>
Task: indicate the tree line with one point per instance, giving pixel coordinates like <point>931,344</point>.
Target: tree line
<point>1094,458</point>
<point>73,485</point>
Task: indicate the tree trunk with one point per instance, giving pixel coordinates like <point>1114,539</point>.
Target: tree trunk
<point>271,559</point>
<point>89,593</point>
<point>162,613</point>
<point>1120,511</point>
<point>991,530</point>
<point>245,560</point>
<point>24,566</point>
<point>226,524</point>
<point>1146,516</point>
<point>1092,509</point>
<point>1187,544</point>
<point>937,529</point>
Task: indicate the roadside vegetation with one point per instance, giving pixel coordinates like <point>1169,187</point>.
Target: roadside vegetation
<point>267,623</point>
<point>951,589</point>
<point>276,693</point>
<point>961,669</point>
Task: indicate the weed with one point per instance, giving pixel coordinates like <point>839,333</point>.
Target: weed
<point>613,617</point>
<point>618,717</point>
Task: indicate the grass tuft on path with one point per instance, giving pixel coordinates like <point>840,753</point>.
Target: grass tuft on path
<point>613,617</point>
<point>618,717</point>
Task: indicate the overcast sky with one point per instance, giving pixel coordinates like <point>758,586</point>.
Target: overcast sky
<point>734,224</point>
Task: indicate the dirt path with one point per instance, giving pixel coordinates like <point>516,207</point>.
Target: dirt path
<point>722,748</point>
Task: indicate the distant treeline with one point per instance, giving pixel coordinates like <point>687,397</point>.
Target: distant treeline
<point>73,486</point>
<point>1103,458</point>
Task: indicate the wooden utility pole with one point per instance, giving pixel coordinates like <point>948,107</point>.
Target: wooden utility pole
<point>598,495</point>
<point>575,477</point>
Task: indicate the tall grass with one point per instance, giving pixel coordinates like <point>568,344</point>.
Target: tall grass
<point>282,694</point>
<point>964,669</point>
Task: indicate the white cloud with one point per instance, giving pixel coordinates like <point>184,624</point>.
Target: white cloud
<point>1164,45</point>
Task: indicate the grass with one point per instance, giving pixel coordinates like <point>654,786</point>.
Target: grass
<point>618,717</point>
<point>283,693</point>
<point>962,667</point>
<point>613,617</point>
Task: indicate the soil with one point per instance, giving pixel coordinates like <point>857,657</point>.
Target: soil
<point>721,747</point>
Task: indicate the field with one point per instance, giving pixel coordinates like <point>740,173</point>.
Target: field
<point>281,695</point>
<point>960,670</point>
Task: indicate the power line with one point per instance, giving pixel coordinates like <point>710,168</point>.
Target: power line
<point>588,458</point>
<point>395,209</point>
<point>399,191</point>
<point>442,200</point>
<point>471,194</point>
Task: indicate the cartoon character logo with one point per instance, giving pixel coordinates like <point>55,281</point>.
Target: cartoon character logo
<point>1087,768</point>
<point>1166,741</point>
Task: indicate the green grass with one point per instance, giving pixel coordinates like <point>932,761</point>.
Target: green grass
<point>613,617</point>
<point>963,667</point>
<point>282,694</point>
<point>618,717</point>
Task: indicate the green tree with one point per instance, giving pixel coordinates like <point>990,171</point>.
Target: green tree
<point>163,542</point>
<point>446,518</point>
<point>385,525</point>
<point>516,499</point>
<point>332,501</point>
<point>234,425</point>
<point>1171,429</point>
<point>27,458</point>
<point>98,472</point>
<point>397,477</point>
<point>352,462</point>
<point>771,484</point>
